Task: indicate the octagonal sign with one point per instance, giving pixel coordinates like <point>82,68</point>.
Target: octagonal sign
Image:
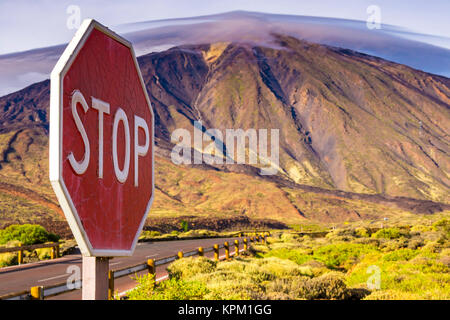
<point>101,141</point>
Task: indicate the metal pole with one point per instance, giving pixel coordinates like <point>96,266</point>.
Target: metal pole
<point>95,278</point>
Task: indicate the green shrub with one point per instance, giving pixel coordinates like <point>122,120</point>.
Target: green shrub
<point>172,289</point>
<point>389,233</point>
<point>328,286</point>
<point>295,255</point>
<point>371,241</point>
<point>341,255</point>
<point>432,247</point>
<point>286,289</point>
<point>44,253</point>
<point>184,225</point>
<point>288,237</point>
<point>282,268</point>
<point>392,295</point>
<point>8,259</point>
<point>394,244</point>
<point>415,244</point>
<point>401,255</point>
<point>198,233</point>
<point>190,266</point>
<point>442,225</point>
<point>421,228</point>
<point>361,232</point>
<point>27,234</point>
<point>258,250</point>
<point>150,234</point>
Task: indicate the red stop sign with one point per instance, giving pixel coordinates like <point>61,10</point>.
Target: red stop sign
<point>101,141</point>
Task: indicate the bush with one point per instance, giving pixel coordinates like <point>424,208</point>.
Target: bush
<point>190,266</point>
<point>286,289</point>
<point>282,268</point>
<point>389,233</point>
<point>443,224</point>
<point>432,247</point>
<point>288,237</point>
<point>184,225</point>
<point>44,253</point>
<point>392,295</point>
<point>27,234</point>
<point>328,286</point>
<point>395,244</point>
<point>291,254</point>
<point>361,232</point>
<point>8,259</point>
<point>421,228</point>
<point>258,250</point>
<point>342,255</point>
<point>401,255</point>
<point>416,243</point>
<point>172,289</point>
<point>150,234</point>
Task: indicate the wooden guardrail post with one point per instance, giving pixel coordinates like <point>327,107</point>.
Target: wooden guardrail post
<point>151,266</point>
<point>227,250</point>
<point>236,248</point>
<point>216,252</point>
<point>37,293</point>
<point>53,253</point>
<point>110,285</point>
<point>201,252</point>
<point>245,244</point>
<point>180,254</point>
<point>20,255</point>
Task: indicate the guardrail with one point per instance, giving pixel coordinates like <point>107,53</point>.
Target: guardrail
<point>42,292</point>
<point>53,255</point>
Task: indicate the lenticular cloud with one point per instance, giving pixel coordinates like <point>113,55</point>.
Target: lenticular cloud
<point>392,43</point>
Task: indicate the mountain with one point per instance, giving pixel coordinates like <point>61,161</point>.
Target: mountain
<point>347,121</point>
<point>360,137</point>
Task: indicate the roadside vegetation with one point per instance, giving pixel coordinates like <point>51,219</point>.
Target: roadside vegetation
<point>398,262</point>
<point>26,234</point>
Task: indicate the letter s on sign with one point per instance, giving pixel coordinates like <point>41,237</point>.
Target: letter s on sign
<point>80,167</point>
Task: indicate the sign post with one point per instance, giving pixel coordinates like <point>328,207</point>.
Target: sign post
<point>95,278</point>
<point>101,148</point>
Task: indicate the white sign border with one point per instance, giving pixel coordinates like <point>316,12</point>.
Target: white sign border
<point>55,140</point>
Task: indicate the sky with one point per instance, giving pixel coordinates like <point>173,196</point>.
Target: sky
<point>26,25</point>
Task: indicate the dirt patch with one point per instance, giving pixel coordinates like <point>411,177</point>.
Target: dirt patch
<point>30,195</point>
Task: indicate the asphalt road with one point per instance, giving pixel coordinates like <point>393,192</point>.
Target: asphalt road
<point>50,272</point>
